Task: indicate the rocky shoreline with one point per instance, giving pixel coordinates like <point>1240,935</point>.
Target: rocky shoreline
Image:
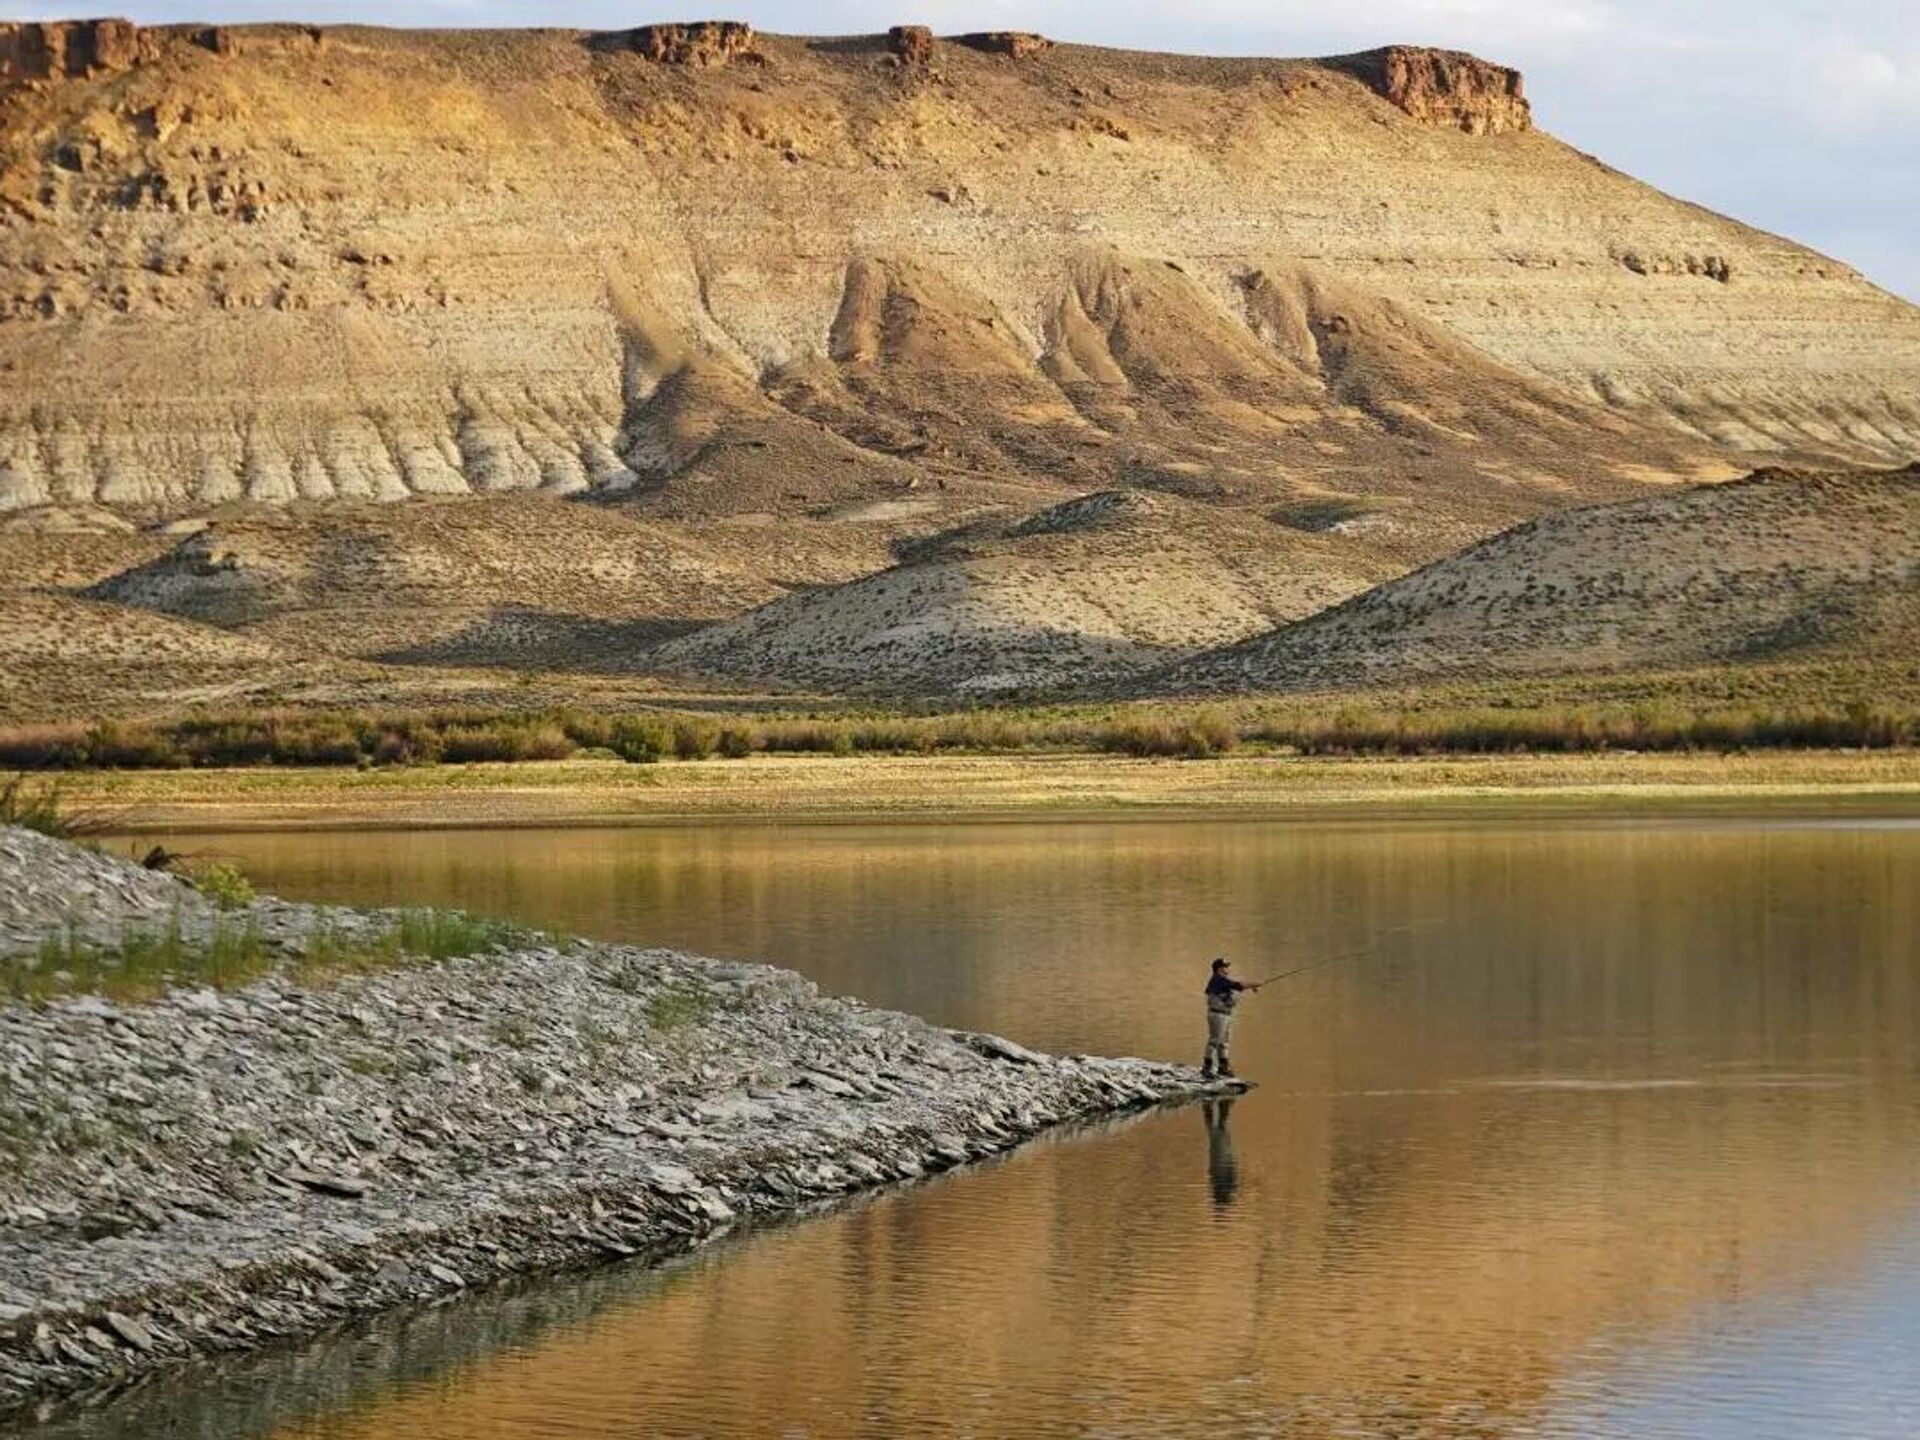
<point>215,1170</point>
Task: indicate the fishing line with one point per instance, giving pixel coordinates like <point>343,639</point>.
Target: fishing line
<point>1364,950</point>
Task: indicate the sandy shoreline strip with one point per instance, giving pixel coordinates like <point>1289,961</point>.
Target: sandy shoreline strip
<point>893,788</point>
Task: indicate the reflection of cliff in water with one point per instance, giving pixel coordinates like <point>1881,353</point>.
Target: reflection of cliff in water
<point>367,1363</point>
<point>1446,1285</point>
<point>1095,937</point>
<point>1630,1077</point>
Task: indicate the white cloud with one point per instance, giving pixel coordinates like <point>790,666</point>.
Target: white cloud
<point>1861,88</point>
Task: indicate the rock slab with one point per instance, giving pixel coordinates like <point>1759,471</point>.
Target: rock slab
<point>211,1170</point>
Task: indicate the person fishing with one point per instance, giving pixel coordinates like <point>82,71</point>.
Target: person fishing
<point>1223,993</point>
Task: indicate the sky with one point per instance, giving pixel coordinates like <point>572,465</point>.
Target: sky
<point>1799,116</point>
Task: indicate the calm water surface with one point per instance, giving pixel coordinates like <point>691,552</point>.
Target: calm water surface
<point>1613,1133</point>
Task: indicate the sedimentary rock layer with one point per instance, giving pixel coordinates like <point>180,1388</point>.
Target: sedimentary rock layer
<point>283,262</point>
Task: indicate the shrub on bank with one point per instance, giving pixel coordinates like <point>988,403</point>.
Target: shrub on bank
<point>117,746</point>
<point>326,741</point>
<point>43,747</point>
<point>503,741</point>
<point>640,740</point>
<point>693,739</point>
<point>224,885</point>
<point>461,735</point>
<point>1193,737</point>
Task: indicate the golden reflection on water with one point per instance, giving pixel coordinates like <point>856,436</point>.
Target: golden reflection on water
<point>1611,1088</point>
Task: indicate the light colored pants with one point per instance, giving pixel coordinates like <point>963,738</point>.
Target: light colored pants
<point>1219,1037</point>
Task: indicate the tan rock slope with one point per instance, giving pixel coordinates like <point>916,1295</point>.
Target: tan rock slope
<point>253,601</point>
<point>766,313</point>
<point>278,262</point>
<point>1098,587</point>
<point>1778,564</point>
<point>555,584</point>
<point>527,581</point>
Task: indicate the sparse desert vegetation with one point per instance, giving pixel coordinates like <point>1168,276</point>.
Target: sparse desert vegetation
<point>145,960</point>
<point>1817,706</point>
<point>1781,563</point>
<point>142,963</point>
<point>1080,594</point>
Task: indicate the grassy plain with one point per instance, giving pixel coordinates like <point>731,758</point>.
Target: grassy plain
<point>820,787</point>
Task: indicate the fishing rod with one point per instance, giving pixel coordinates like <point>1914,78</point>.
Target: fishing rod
<point>1367,949</point>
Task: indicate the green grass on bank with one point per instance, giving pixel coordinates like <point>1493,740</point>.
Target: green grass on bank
<point>416,935</point>
<point>1728,709</point>
<point>140,964</point>
<point>144,962</point>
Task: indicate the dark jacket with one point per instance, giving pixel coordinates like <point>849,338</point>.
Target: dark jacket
<point>1223,994</point>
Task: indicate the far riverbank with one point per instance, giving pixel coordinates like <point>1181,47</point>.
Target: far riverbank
<point>583,792</point>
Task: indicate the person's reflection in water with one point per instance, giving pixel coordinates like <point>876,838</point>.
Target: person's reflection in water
<point>1223,1167</point>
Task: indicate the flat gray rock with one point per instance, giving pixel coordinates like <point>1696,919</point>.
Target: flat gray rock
<point>208,1169</point>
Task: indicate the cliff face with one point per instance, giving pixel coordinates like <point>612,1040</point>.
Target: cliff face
<point>1444,87</point>
<point>66,49</point>
<point>272,263</point>
<point>704,43</point>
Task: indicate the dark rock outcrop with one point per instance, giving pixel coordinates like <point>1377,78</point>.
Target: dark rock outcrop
<point>56,49</point>
<point>1446,88</point>
<point>1016,44</point>
<point>702,43</point>
<point>913,44</point>
<point>220,39</point>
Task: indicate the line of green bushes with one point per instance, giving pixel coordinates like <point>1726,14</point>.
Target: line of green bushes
<point>457,736</point>
<point>1576,730</point>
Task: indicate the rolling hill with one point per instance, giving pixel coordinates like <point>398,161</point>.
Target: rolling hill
<point>1095,588</point>
<point>1779,564</point>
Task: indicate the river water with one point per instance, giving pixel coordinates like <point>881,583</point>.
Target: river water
<point>1611,1131</point>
